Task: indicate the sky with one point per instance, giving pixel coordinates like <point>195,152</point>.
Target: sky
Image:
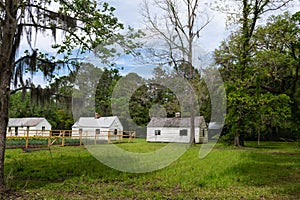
<point>129,13</point>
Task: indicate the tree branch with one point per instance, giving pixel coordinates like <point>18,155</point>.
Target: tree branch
<point>284,3</point>
<point>57,27</point>
<point>14,91</point>
<point>2,4</point>
<point>56,15</point>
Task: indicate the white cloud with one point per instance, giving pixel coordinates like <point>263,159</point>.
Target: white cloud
<point>129,13</point>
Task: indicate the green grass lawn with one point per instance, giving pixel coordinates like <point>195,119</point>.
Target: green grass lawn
<point>270,171</point>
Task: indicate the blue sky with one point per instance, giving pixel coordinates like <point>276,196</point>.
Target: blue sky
<point>129,12</point>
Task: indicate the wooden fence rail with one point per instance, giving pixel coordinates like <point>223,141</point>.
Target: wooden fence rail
<point>59,137</point>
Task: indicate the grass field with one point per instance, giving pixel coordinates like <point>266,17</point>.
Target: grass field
<point>270,171</point>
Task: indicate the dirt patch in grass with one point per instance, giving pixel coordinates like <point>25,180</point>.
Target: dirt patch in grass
<point>16,195</point>
<point>282,153</point>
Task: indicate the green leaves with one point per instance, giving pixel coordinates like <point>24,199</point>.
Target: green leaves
<point>261,91</point>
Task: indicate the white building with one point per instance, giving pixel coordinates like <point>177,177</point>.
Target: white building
<point>35,126</point>
<point>102,128</point>
<point>176,130</point>
<point>214,130</point>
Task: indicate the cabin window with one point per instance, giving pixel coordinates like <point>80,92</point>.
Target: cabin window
<point>203,133</point>
<point>43,128</point>
<point>115,131</point>
<point>183,132</point>
<point>97,131</point>
<point>16,131</point>
<point>157,132</point>
<point>9,130</point>
<point>80,131</point>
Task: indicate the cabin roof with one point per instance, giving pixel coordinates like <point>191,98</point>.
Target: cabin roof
<point>103,122</point>
<point>24,122</point>
<point>175,122</point>
<point>215,125</point>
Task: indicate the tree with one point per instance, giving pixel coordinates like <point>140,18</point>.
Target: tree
<point>84,92</point>
<point>237,61</point>
<point>124,97</point>
<point>178,27</point>
<point>84,24</point>
<point>269,93</point>
<point>161,95</point>
<point>154,98</point>
<point>104,91</point>
<point>279,49</point>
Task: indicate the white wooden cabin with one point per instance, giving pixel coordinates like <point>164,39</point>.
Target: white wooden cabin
<point>176,130</point>
<point>103,128</point>
<point>35,126</point>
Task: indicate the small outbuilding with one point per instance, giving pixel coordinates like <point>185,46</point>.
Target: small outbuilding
<point>35,126</point>
<point>214,130</point>
<point>100,128</point>
<point>176,130</point>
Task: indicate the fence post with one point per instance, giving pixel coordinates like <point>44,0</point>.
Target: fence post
<point>49,139</point>
<point>27,134</point>
<point>95,141</point>
<point>80,137</point>
<point>63,139</point>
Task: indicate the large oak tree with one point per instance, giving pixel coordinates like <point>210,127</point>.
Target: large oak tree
<point>84,23</point>
<point>244,14</point>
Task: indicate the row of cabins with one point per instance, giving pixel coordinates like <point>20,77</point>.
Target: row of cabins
<point>110,128</point>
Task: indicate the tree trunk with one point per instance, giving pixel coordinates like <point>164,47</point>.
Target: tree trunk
<point>7,56</point>
<point>258,136</point>
<point>3,124</point>
<point>237,135</point>
<point>190,62</point>
<point>237,140</point>
<point>192,112</point>
<point>5,77</point>
<point>192,136</point>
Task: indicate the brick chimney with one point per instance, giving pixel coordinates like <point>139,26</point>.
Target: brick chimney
<point>177,114</point>
<point>97,115</point>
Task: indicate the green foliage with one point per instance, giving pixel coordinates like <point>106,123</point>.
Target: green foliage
<point>39,141</point>
<point>104,90</point>
<point>262,95</point>
<point>58,118</point>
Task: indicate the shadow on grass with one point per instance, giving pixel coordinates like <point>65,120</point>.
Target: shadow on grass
<point>273,145</point>
<point>40,168</point>
<point>279,171</point>
<point>74,170</point>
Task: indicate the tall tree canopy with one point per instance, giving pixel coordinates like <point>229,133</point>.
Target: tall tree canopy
<point>85,24</point>
<point>267,89</point>
<point>241,72</point>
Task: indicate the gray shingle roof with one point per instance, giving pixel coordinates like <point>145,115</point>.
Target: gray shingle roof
<point>28,121</point>
<point>175,122</point>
